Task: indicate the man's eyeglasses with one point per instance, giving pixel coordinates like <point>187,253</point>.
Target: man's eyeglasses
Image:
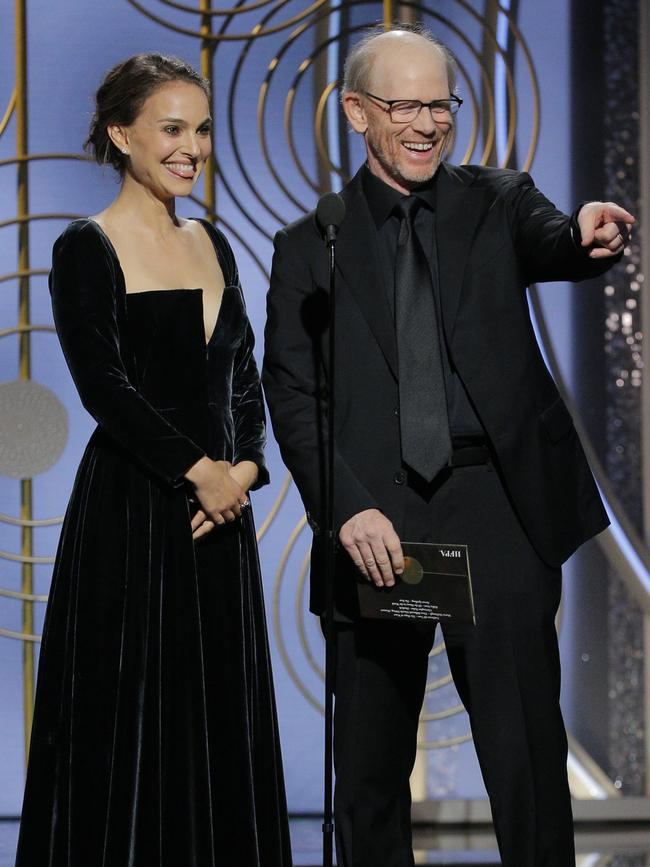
<point>406,110</point>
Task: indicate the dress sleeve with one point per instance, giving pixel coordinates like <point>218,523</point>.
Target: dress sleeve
<point>248,409</point>
<point>84,300</point>
<point>247,403</point>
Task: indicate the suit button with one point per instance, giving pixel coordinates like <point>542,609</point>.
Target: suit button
<point>400,477</point>
<point>396,411</point>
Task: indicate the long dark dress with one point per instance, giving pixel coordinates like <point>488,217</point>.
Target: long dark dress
<point>155,739</point>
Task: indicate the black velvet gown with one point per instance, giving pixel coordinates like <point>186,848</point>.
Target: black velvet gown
<point>155,740</point>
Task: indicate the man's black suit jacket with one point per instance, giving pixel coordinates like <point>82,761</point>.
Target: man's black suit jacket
<point>496,234</point>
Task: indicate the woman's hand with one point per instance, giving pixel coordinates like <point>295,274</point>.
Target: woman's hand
<point>245,474</point>
<point>201,525</point>
<point>218,492</point>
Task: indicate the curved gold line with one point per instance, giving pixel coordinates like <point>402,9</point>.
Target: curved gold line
<point>474,132</point>
<point>512,126</point>
<point>24,558</point>
<point>318,130</point>
<point>23,522</point>
<point>302,69</point>
<point>492,126</point>
<point>261,112</point>
<point>29,217</point>
<point>261,122</point>
<point>275,508</point>
<point>255,33</point>
<point>444,742</point>
<point>234,10</point>
<point>295,533</point>
<point>437,650</point>
<point>11,107</point>
<point>27,158</point>
<point>489,60</point>
<point>21,636</point>
<point>289,103</point>
<point>206,52</point>
<point>288,131</point>
<point>510,83</point>
<point>26,597</point>
<point>24,350</point>
<point>440,682</point>
<point>24,272</point>
<point>521,42</point>
<point>491,130</point>
<point>637,543</point>
<point>442,714</point>
<point>232,135</point>
<point>299,616</point>
<point>21,329</point>
<point>529,62</point>
<point>235,234</point>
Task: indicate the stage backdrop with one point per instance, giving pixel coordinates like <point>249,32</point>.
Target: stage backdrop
<point>279,143</point>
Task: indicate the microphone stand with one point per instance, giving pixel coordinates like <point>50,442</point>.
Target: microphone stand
<point>330,562</point>
<point>330,212</point>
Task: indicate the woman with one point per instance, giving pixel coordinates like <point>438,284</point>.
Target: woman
<point>155,738</point>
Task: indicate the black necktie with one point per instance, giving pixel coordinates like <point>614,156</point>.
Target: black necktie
<point>424,422</point>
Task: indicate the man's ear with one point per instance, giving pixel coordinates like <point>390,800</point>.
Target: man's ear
<point>355,111</point>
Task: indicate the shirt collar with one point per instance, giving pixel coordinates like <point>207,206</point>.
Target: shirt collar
<point>382,198</point>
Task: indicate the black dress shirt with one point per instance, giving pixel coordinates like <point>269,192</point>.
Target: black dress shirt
<point>382,200</point>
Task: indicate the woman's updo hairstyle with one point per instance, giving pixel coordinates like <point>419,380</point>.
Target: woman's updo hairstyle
<point>122,94</point>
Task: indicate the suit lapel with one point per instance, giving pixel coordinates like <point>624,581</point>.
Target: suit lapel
<point>357,258</point>
<point>459,208</point>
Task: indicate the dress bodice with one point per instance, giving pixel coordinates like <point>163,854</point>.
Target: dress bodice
<point>188,381</point>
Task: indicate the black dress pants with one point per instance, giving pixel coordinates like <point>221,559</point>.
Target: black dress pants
<point>506,670</point>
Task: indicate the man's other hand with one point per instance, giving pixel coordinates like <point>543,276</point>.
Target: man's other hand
<point>605,228</point>
<point>374,546</point>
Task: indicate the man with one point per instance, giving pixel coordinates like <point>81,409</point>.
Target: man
<point>448,428</point>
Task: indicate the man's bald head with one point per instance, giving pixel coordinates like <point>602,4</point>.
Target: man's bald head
<point>362,60</point>
<point>407,67</point>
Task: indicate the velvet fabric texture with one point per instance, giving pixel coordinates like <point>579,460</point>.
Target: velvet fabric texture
<point>155,740</point>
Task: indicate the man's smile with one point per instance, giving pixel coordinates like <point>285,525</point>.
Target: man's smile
<point>420,146</point>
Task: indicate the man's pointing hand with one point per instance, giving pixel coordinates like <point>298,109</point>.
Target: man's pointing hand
<point>605,228</point>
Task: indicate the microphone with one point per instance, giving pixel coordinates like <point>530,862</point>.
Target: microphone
<point>330,212</point>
